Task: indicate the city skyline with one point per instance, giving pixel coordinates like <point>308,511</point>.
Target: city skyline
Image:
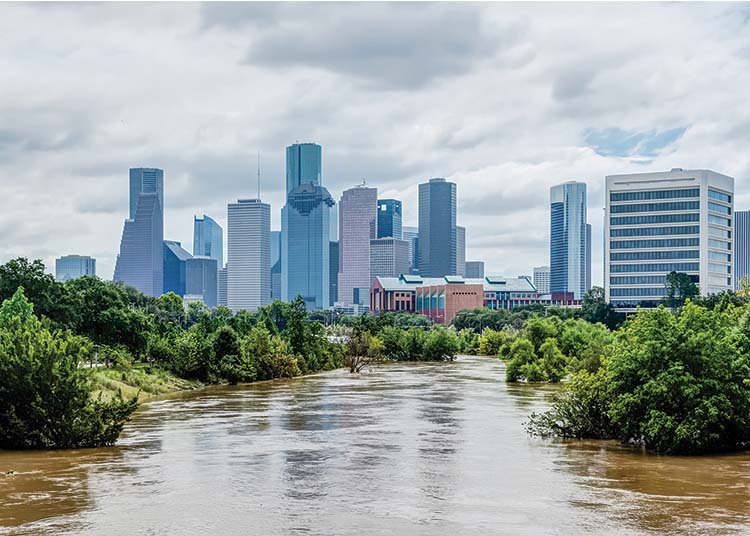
<point>70,149</point>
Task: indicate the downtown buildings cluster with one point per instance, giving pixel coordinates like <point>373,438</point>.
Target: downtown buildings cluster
<point>355,255</point>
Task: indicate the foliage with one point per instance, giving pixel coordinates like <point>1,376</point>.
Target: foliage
<point>363,350</point>
<point>680,287</point>
<point>596,309</point>
<point>495,342</point>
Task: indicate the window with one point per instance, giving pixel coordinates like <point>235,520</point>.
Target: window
<point>650,291</point>
<point>719,244</point>
<point>655,207</point>
<point>712,218</point>
<point>719,280</point>
<point>716,256</point>
<point>655,218</point>
<point>661,267</point>
<point>721,233</point>
<point>720,268</point>
<point>644,279</point>
<point>654,255</point>
<point>658,194</point>
<point>664,243</point>
<point>713,194</point>
<point>655,231</point>
<point>719,208</point>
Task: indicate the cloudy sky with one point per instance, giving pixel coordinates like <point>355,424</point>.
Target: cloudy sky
<point>504,99</point>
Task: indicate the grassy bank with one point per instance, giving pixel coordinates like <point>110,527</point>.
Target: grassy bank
<point>145,380</point>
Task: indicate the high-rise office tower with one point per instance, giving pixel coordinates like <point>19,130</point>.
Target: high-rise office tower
<point>201,279</point>
<point>222,277</point>
<point>588,257</point>
<point>304,164</point>
<point>275,265</point>
<point>568,239</point>
<point>437,228</point>
<point>146,181</point>
<point>357,226</point>
<point>389,218</point>
<point>208,239</point>
<point>248,255</point>
<point>305,246</point>
<point>474,270</point>
<point>460,251</point>
<point>411,235</point>
<point>541,279</point>
<point>741,247</point>
<point>174,267</point>
<point>140,263</point>
<point>333,273</point>
<point>663,222</point>
<point>389,257</point>
<point>70,267</point>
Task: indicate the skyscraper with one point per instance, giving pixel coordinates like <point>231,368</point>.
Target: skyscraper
<point>208,239</point>
<point>357,226</point>
<point>70,267</point>
<point>460,251</point>
<point>140,263</point>
<point>411,235</point>
<point>275,265</point>
<point>145,181</point>
<point>201,279</point>
<point>657,223</point>
<point>304,163</point>
<point>333,273</point>
<point>474,270</point>
<point>541,279</point>
<point>174,267</point>
<point>587,286</point>
<point>248,255</point>
<point>305,246</point>
<point>437,228</point>
<point>389,257</point>
<point>568,239</point>
<point>741,247</point>
<point>389,218</point>
<point>222,277</point>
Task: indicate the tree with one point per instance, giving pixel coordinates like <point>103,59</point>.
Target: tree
<point>595,308</point>
<point>680,287</point>
<point>45,397</point>
<point>553,361</point>
<point>521,354</point>
<point>363,350</point>
<point>440,345</point>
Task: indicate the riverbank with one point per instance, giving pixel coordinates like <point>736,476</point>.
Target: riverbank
<point>146,381</point>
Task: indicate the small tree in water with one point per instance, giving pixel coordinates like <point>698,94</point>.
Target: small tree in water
<point>362,350</point>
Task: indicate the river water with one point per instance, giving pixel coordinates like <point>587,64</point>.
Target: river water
<point>405,449</point>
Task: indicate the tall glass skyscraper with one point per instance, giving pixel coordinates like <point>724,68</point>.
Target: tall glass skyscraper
<point>437,228</point>
<point>70,267</point>
<point>333,273</point>
<point>568,261</point>
<point>303,164</point>
<point>174,267</point>
<point>411,235</point>
<point>146,181</point>
<point>460,251</point>
<point>389,218</point>
<point>201,279</point>
<point>140,263</point>
<point>248,255</point>
<point>741,247</point>
<point>275,265</point>
<point>208,239</point>
<point>358,224</point>
<point>305,246</point>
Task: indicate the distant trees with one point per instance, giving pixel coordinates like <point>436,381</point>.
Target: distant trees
<point>680,288</point>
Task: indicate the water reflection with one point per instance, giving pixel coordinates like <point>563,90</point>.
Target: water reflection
<point>404,449</point>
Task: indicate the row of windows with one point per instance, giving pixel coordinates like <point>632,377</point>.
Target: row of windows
<point>659,194</point>
<point>719,280</point>
<point>663,243</point>
<point>654,255</point>
<point>720,233</point>
<point>653,291</point>
<point>654,218</point>
<point>635,303</point>
<point>655,231</point>
<point>665,267</point>
<point>719,244</point>
<point>644,279</point>
<point>656,207</point>
<point>716,256</point>
<point>712,218</point>
<point>719,196</point>
<point>719,268</point>
<point>719,208</point>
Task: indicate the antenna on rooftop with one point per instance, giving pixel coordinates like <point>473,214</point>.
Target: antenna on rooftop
<point>258,175</point>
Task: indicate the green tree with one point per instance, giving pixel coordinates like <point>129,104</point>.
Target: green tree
<point>521,354</point>
<point>363,350</point>
<point>440,345</point>
<point>680,287</point>
<point>553,362</point>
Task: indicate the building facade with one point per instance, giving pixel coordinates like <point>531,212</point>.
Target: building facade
<point>437,228</point>
<point>389,257</point>
<point>657,223</point>
<point>70,267</point>
<point>305,246</point>
<point>460,251</point>
<point>201,279</point>
<point>275,265</point>
<point>358,224</point>
<point>541,279</point>
<point>145,181</point>
<point>304,164</point>
<point>741,248</point>
<point>140,263</point>
<point>333,273</point>
<point>174,267</point>
<point>474,269</point>
<point>248,255</point>
<point>390,217</point>
<point>208,239</point>
<point>411,235</point>
<point>222,277</point>
<point>568,261</point>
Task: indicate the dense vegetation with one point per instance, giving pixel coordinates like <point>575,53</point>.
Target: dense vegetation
<point>90,320</point>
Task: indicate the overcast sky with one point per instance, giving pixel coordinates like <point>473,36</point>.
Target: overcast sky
<point>505,100</point>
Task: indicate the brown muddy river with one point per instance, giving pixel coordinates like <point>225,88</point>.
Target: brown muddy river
<point>406,449</point>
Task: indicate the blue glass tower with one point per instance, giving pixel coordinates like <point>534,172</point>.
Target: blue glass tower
<point>174,267</point>
<point>389,218</point>
<point>437,228</point>
<point>145,181</point>
<point>741,247</point>
<point>208,239</point>
<point>70,267</point>
<point>569,268</point>
<point>201,279</point>
<point>303,164</point>
<point>140,263</point>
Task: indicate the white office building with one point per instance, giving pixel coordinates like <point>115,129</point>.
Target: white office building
<point>541,279</point>
<point>657,223</point>
<point>248,255</point>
